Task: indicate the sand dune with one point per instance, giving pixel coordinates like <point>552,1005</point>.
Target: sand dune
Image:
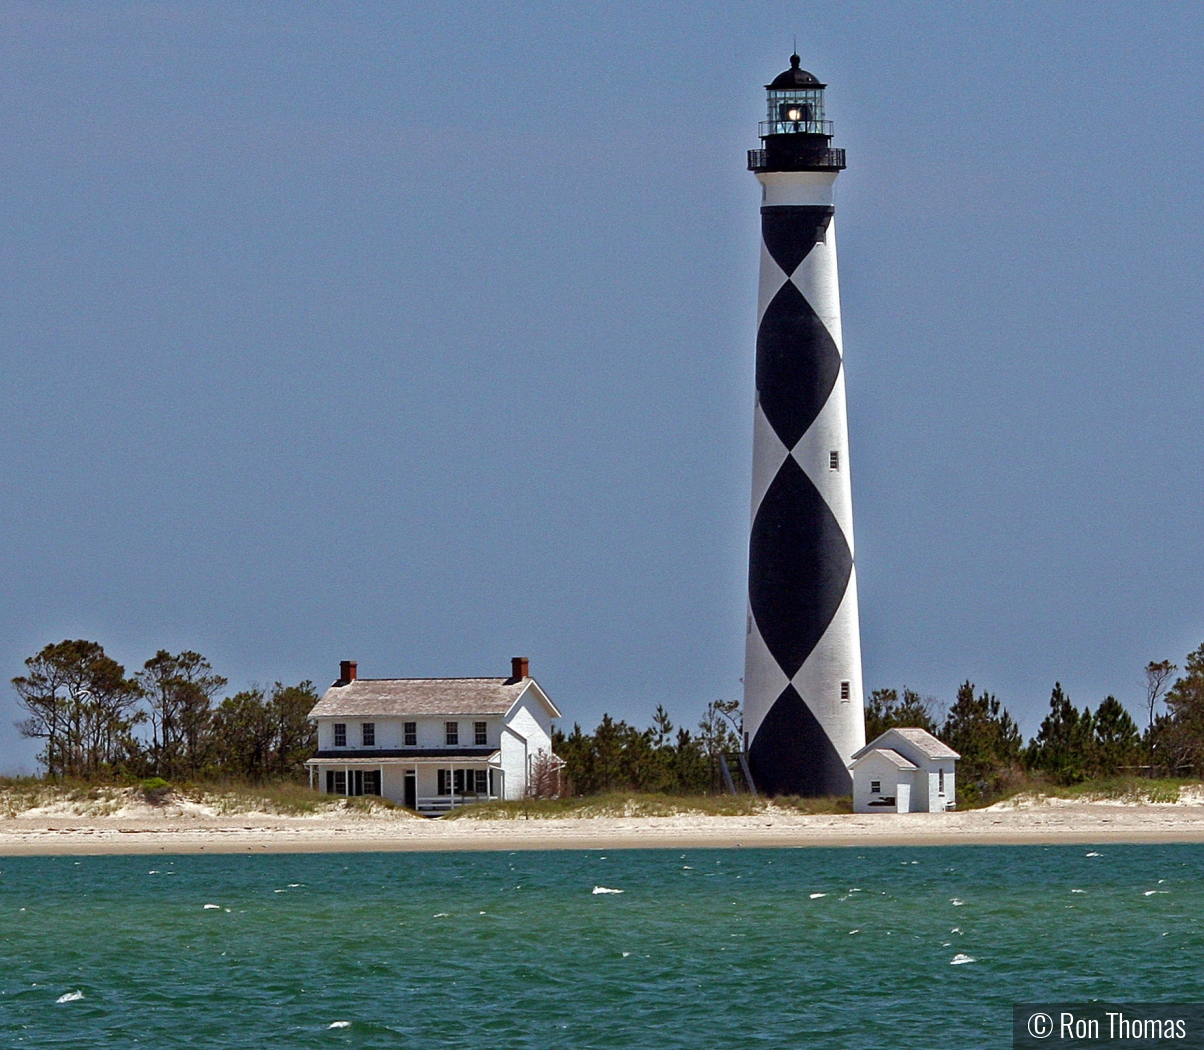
<point>145,829</point>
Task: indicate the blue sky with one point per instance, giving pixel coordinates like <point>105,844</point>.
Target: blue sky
<point>422,335</point>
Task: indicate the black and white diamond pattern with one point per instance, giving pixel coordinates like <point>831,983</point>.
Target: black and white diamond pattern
<point>803,638</point>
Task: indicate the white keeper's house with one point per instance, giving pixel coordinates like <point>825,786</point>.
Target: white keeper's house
<point>904,771</point>
<point>432,743</point>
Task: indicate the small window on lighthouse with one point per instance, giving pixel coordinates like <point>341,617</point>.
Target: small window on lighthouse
<point>844,690</point>
<point>833,460</point>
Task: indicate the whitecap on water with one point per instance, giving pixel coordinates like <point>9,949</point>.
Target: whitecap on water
<point>625,954</point>
<point>1078,891</point>
<point>815,895</point>
<point>441,915</point>
<point>956,929</point>
<point>70,997</point>
<point>957,902</point>
<point>1091,854</point>
<point>1150,893</point>
<point>960,959</point>
<point>603,889</point>
<point>211,907</point>
<point>339,1024</point>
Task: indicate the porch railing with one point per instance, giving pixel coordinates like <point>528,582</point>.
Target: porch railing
<point>446,803</point>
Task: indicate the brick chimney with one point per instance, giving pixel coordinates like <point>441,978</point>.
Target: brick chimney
<point>347,671</point>
<point>519,668</point>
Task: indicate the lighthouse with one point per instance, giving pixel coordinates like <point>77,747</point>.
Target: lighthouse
<point>803,714</point>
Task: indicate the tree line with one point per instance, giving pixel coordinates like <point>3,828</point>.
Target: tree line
<point>661,758</point>
<point>1071,745</point>
<point>165,720</point>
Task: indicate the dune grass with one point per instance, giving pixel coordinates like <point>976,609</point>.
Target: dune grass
<point>632,804</point>
<point>82,798</point>
<point>1129,789</point>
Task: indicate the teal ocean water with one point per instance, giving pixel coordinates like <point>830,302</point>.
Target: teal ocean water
<point>924,947</point>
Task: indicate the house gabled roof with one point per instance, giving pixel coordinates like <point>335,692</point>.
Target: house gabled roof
<point>892,756</point>
<point>368,697</point>
<point>928,745</point>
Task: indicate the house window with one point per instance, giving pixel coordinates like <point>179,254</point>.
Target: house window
<point>875,787</point>
<point>480,733</point>
<point>368,734</point>
<point>844,690</point>
<point>452,730</point>
<point>336,783</point>
<point>462,781</point>
<point>340,734</point>
<point>411,734</point>
<point>833,460</point>
<point>940,782</point>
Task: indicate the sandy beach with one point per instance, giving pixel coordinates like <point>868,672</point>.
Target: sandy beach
<point>146,829</point>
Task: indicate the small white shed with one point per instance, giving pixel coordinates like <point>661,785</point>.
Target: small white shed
<point>905,770</point>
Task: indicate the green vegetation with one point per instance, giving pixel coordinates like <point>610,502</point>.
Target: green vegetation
<point>222,798</point>
<point>162,722</point>
<point>633,804</point>
<point>619,757</point>
<point>1122,789</point>
<point>164,732</point>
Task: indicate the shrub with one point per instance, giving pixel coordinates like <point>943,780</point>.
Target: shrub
<point>155,790</point>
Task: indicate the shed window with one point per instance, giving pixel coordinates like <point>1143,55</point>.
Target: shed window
<point>340,734</point>
<point>834,460</point>
<point>844,690</point>
<point>368,734</point>
<point>411,734</point>
<point>940,781</point>
<point>452,731</point>
<point>480,732</point>
<point>875,787</point>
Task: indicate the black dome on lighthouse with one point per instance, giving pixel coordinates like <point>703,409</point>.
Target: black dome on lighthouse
<point>794,77</point>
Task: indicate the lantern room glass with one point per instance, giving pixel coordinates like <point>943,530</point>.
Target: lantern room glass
<point>796,111</point>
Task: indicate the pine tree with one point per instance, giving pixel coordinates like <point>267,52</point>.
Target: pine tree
<point>1063,746</point>
<point>1116,739</point>
<point>982,731</point>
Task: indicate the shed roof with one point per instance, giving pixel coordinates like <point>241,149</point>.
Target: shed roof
<point>921,739</point>
<point>893,757</point>
<point>365,697</point>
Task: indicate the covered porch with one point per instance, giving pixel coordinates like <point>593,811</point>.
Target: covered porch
<point>431,786</point>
